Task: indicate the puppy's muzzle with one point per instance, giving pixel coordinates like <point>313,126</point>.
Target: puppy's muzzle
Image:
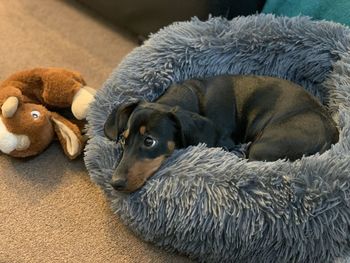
<point>119,179</point>
<point>119,184</point>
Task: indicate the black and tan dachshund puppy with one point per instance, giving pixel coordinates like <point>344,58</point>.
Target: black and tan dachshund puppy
<point>278,117</point>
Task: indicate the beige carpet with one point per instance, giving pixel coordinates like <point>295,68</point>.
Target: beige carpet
<point>49,209</point>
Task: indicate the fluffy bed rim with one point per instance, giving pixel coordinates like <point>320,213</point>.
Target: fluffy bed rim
<point>208,203</point>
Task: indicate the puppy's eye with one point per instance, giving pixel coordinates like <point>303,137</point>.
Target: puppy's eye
<point>149,142</point>
<point>35,114</point>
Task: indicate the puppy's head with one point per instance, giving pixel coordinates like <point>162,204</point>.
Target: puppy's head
<point>148,134</point>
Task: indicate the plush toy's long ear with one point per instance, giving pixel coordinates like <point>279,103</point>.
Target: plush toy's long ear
<point>117,120</point>
<point>193,128</point>
<point>69,135</point>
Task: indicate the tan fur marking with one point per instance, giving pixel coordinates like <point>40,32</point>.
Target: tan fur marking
<point>142,130</point>
<point>171,146</point>
<point>141,171</point>
<point>126,133</point>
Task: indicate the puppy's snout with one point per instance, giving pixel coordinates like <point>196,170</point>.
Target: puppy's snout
<point>119,184</point>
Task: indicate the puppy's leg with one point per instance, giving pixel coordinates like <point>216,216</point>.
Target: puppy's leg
<point>226,143</point>
<point>266,151</point>
<point>294,137</point>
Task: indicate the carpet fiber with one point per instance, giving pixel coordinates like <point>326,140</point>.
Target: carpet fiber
<point>49,209</point>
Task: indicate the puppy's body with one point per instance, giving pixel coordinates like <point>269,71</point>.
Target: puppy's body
<point>279,118</point>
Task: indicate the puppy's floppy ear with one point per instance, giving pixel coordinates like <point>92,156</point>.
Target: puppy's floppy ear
<point>193,128</point>
<point>180,140</point>
<point>118,119</point>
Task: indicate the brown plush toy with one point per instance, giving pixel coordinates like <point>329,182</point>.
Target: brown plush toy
<point>30,101</point>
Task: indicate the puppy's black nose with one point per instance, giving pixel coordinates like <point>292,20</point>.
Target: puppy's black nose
<point>119,184</point>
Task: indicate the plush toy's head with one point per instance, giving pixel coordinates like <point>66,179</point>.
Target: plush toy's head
<point>32,128</point>
<point>27,127</point>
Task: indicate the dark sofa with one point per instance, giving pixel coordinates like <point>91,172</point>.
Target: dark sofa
<point>142,17</point>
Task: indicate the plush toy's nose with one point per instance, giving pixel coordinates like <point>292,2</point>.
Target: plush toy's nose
<point>8,142</point>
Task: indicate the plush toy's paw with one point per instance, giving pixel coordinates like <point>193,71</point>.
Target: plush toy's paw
<point>81,102</point>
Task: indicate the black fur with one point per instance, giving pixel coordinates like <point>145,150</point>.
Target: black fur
<point>278,117</point>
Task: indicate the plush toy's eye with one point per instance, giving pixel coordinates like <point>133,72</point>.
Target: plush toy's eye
<point>35,114</point>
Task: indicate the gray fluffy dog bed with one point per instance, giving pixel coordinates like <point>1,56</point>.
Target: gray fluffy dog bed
<point>211,204</point>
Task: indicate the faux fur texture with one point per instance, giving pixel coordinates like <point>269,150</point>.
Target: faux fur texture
<point>211,204</point>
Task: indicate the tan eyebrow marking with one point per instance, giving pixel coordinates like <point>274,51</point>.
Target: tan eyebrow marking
<point>126,133</point>
<point>142,130</point>
<point>171,146</point>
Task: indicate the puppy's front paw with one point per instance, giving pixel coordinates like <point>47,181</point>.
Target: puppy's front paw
<point>226,143</point>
